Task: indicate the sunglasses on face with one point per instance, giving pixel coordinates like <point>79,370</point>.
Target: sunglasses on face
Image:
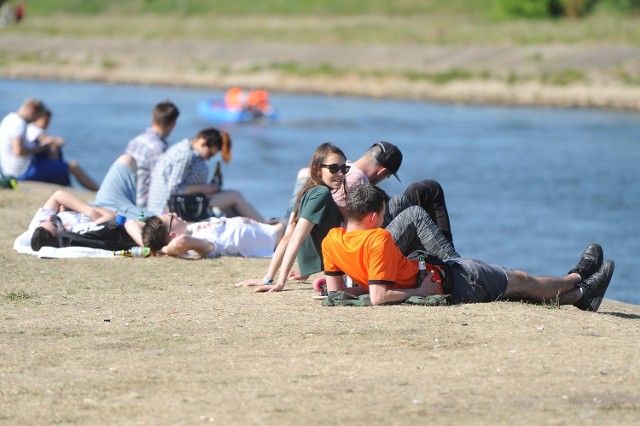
<point>335,168</point>
<point>171,220</point>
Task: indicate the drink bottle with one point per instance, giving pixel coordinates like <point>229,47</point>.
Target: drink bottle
<point>348,281</point>
<point>217,176</point>
<point>422,264</point>
<point>141,216</point>
<point>134,252</point>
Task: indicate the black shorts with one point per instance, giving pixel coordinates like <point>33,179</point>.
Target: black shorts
<point>475,281</point>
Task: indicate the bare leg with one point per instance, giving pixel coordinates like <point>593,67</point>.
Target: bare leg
<point>129,161</point>
<point>227,200</point>
<point>543,289</point>
<point>81,176</point>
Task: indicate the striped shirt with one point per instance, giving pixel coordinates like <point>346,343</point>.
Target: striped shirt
<point>146,149</point>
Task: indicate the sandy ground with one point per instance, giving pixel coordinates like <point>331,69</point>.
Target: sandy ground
<point>162,341</point>
<point>513,74</point>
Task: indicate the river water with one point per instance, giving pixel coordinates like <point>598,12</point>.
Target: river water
<point>526,188</point>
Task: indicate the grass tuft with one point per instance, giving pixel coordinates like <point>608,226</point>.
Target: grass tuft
<point>17,295</point>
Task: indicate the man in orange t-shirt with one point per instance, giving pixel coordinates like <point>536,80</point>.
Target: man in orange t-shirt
<point>368,255</point>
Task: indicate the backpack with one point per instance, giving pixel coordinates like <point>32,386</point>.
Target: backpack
<point>107,236</point>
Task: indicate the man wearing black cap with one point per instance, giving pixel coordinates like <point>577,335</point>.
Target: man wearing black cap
<point>413,227</point>
<point>382,160</point>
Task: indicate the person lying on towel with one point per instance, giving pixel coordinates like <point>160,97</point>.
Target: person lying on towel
<point>237,236</point>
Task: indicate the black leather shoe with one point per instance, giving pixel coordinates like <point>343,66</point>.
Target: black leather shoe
<point>590,261</point>
<point>594,287</point>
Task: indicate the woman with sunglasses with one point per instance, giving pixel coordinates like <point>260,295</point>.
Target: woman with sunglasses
<point>314,215</point>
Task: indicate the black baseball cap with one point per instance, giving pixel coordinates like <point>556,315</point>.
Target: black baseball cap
<point>390,157</point>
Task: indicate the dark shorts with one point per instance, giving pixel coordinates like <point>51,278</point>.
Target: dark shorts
<point>48,171</point>
<point>475,281</point>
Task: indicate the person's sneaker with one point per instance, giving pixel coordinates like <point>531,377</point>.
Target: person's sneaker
<point>594,287</point>
<point>590,261</point>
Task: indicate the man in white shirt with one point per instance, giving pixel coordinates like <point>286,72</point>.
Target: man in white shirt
<point>15,154</point>
<point>29,159</point>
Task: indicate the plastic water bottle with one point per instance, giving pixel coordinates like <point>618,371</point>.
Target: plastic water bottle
<point>422,264</point>
<point>134,252</point>
<point>348,282</point>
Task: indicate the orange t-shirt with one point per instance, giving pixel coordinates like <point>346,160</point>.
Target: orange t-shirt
<point>368,257</point>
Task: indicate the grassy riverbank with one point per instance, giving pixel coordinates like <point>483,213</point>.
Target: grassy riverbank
<point>166,341</point>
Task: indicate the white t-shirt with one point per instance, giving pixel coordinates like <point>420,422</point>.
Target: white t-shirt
<point>236,236</point>
<point>12,126</point>
<point>33,133</point>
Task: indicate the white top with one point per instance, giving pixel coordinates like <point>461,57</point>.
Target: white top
<point>236,236</point>
<point>33,133</point>
<point>12,126</point>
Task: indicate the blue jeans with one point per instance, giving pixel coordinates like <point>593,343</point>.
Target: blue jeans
<point>118,192</point>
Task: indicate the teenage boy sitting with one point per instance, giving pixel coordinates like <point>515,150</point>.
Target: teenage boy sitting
<point>366,253</point>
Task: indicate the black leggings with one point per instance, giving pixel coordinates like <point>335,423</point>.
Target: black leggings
<point>429,195</point>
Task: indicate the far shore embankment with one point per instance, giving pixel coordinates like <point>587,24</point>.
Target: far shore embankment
<point>537,75</point>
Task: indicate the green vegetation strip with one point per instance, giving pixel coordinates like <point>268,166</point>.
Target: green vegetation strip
<point>453,22</point>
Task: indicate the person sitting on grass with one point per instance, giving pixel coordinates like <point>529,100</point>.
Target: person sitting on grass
<point>237,236</point>
<point>366,253</point>
<point>28,159</point>
<point>314,215</point>
<point>184,169</point>
<point>147,147</point>
<point>403,212</point>
<point>52,158</point>
<point>317,212</point>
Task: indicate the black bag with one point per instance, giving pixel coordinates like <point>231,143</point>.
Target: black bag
<point>190,207</point>
<point>107,236</point>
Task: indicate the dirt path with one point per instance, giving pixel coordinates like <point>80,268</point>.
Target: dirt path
<point>558,75</point>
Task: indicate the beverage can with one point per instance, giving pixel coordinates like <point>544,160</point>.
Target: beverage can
<point>121,219</point>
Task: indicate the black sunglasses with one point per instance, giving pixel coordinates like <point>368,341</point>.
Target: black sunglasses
<point>334,168</point>
<point>171,221</point>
